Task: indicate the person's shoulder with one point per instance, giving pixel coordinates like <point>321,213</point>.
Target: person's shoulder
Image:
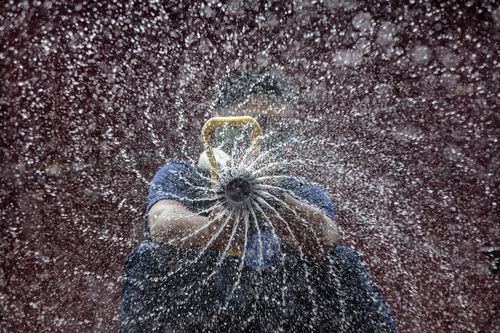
<point>311,192</point>
<point>295,181</point>
<point>172,170</point>
<point>315,187</point>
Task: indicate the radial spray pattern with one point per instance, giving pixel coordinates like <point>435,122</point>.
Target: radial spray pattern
<point>248,201</point>
<point>398,111</point>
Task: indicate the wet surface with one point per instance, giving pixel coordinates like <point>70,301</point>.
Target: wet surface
<point>399,104</point>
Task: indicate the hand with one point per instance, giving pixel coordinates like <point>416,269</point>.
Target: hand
<point>313,231</point>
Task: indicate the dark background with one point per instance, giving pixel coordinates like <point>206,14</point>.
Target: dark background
<point>399,102</point>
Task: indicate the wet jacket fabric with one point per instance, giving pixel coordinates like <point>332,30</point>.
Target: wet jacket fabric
<point>169,289</point>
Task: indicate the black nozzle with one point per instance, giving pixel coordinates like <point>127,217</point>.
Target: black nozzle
<point>238,190</point>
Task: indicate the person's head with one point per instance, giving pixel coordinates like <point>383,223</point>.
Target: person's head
<point>262,94</point>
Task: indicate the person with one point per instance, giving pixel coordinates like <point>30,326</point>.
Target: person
<point>201,270</point>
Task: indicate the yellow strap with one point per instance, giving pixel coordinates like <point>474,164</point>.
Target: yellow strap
<point>215,122</point>
<point>234,253</point>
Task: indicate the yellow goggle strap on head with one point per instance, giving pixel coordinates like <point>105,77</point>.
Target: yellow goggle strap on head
<point>215,122</point>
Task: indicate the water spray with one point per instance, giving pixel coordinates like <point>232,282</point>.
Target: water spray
<point>239,187</point>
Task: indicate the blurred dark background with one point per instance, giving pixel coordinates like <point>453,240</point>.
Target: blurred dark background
<point>401,100</point>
